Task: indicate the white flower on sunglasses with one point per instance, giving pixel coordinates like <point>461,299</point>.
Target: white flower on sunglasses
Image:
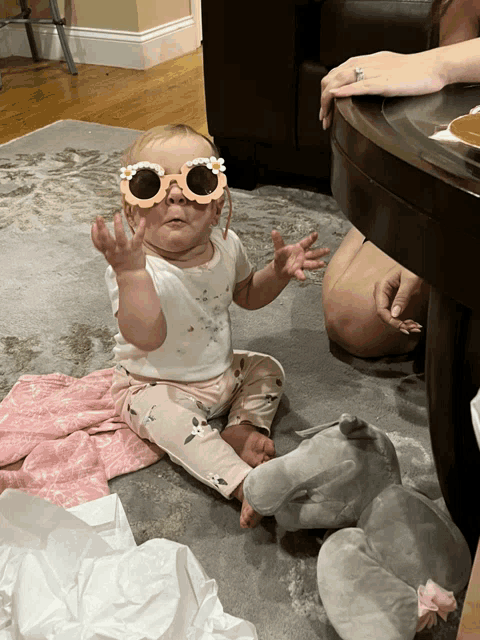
<point>158,169</point>
<point>127,173</point>
<point>150,165</point>
<point>216,165</point>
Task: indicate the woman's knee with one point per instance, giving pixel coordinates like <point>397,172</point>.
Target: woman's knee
<point>368,337</point>
<point>339,325</point>
<point>341,331</point>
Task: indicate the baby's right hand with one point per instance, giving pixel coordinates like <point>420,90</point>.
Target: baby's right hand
<point>122,253</point>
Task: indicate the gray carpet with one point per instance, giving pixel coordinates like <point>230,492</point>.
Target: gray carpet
<point>56,317</point>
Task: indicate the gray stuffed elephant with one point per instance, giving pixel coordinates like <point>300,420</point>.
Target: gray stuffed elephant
<point>328,480</point>
<point>397,559</point>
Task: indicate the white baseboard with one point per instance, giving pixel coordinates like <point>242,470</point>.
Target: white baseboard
<point>125,49</point>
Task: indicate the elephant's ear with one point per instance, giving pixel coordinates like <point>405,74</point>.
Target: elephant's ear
<point>375,580</point>
<point>363,599</point>
<point>317,429</point>
<point>356,429</point>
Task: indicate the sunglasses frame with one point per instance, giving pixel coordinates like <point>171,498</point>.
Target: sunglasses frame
<point>212,163</point>
<point>216,166</point>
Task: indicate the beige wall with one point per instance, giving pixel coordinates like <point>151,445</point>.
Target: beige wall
<point>9,8</point>
<point>119,15</point>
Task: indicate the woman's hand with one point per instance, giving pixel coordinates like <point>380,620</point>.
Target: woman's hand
<point>121,253</point>
<point>393,293</point>
<point>291,260</point>
<point>386,73</point>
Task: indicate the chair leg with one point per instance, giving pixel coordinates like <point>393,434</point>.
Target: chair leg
<point>26,11</point>
<point>63,39</point>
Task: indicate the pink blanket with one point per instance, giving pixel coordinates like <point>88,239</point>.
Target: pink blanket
<point>60,438</point>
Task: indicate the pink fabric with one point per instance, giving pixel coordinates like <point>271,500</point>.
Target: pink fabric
<point>432,599</point>
<point>71,442</point>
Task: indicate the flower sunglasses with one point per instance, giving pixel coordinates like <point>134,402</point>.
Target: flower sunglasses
<point>145,184</point>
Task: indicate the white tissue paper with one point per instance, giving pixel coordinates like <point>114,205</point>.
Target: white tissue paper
<point>77,574</point>
<point>475,411</point>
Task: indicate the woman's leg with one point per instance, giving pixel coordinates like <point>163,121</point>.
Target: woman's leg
<point>349,307</point>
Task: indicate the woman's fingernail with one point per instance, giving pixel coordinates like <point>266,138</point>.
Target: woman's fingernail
<point>396,311</point>
<point>419,326</point>
<point>416,330</point>
<point>405,332</point>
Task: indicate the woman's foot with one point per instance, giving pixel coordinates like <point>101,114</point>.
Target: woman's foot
<point>250,445</point>
<point>248,517</point>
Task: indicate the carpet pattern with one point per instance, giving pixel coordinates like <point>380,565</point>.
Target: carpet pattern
<point>52,184</point>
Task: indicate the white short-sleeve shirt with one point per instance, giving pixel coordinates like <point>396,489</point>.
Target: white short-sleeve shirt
<point>195,302</point>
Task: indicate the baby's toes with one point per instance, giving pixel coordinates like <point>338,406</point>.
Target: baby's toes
<point>269,450</point>
<point>248,517</point>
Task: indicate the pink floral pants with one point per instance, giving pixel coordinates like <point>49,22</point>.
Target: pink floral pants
<point>175,415</point>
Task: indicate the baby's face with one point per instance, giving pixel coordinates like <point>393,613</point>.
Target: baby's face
<point>177,225</point>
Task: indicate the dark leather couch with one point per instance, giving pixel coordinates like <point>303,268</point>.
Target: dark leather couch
<point>263,64</point>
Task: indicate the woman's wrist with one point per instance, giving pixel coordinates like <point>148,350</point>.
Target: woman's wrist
<point>442,67</point>
<point>436,64</point>
<point>459,62</point>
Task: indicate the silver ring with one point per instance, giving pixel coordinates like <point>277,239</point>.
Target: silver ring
<point>359,74</point>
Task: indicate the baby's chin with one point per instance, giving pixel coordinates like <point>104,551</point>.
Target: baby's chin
<point>176,247</point>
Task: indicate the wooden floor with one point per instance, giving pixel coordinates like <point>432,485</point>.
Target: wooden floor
<point>35,94</point>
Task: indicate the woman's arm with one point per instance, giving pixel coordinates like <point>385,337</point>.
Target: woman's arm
<point>460,62</point>
<point>386,73</point>
<point>397,74</point>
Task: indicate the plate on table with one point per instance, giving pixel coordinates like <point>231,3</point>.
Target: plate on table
<point>467,128</point>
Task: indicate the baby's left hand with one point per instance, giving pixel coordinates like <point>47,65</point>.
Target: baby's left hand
<point>291,260</point>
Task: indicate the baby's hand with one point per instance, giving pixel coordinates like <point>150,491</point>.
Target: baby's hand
<point>123,254</point>
<point>291,260</point>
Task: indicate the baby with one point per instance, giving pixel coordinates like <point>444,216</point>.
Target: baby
<point>170,287</point>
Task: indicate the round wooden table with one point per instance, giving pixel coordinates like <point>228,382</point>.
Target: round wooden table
<point>418,200</point>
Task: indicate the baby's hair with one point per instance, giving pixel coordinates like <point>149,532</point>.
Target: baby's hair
<point>133,153</point>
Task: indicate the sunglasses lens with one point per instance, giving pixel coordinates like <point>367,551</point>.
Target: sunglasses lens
<point>145,184</point>
<point>201,181</point>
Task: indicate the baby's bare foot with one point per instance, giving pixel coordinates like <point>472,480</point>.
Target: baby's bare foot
<point>248,517</point>
<point>250,445</point>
